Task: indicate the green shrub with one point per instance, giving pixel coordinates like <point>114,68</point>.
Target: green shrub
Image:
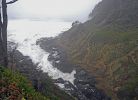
<point>14,85</point>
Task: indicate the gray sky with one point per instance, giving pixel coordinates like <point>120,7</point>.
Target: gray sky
<point>51,9</point>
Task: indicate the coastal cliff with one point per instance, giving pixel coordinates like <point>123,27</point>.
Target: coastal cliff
<point>106,46</point>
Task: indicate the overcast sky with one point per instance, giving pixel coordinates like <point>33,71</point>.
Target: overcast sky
<point>51,9</point>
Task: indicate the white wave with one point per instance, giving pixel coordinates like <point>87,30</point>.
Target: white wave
<point>26,33</point>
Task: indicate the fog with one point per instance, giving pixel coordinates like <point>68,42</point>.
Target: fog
<point>69,10</point>
<point>36,19</point>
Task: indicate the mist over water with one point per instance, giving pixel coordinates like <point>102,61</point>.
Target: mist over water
<point>26,32</point>
<point>33,29</point>
<point>69,10</point>
<point>32,20</point>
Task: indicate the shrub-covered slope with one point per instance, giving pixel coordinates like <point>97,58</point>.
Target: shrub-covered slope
<point>13,86</point>
<point>107,46</point>
<point>41,82</point>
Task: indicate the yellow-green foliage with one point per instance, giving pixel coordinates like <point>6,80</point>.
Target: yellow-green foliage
<point>14,85</point>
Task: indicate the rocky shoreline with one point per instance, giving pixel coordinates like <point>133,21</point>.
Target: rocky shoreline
<point>84,83</point>
<point>40,80</point>
<point>83,87</point>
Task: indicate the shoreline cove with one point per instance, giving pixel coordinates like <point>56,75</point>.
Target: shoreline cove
<point>77,82</point>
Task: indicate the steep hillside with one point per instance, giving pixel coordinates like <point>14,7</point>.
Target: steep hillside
<point>14,86</point>
<point>23,66</point>
<point>107,46</point>
<point>117,11</point>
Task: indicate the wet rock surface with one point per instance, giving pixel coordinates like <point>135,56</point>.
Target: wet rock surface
<point>58,60</point>
<point>40,80</point>
<point>84,83</point>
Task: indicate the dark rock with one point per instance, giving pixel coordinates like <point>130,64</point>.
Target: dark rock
<point>84,84</point>
<point>60,80</point>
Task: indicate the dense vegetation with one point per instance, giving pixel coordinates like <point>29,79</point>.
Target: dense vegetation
<point>13,86</point>
<point>107,46</point>
<point>40,81</point>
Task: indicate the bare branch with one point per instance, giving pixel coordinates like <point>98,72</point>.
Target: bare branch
<point>10,2</point>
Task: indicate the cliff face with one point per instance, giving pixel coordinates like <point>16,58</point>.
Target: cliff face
<point>107,46</point>
<point>118,11</point>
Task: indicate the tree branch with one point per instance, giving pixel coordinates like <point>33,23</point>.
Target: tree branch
<point>10,2</point>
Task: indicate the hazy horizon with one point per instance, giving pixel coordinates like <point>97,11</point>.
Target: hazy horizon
<point>68,10</point>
